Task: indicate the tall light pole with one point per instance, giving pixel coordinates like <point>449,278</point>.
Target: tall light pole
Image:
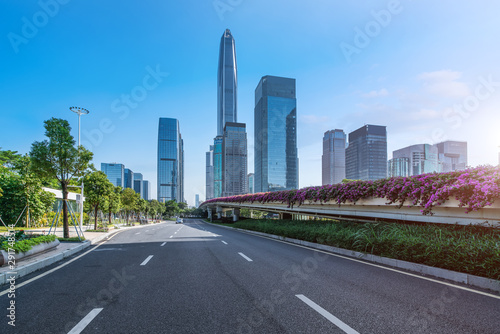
<point>80,112</point>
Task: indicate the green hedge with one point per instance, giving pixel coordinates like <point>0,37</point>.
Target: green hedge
<point>22,246</point>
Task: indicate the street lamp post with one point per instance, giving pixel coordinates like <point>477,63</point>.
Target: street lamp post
<point>80,112</point>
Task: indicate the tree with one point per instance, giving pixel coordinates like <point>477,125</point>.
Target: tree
<point>157,208</point>
<point>142,206</point>
<point>58,158</point>
<point>113,202</point>
<point>97,188</point>
<point>171,208</point>
<point>129,200</point>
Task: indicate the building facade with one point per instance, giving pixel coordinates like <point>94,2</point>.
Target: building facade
<point>146,190</point>
<point>218,173</point>
<point>129,178</point>
<point>452,155</point>
<point>398,167</point>
<point>197,200</point>
<point>250,183</point>
<point>170,163</point>
<point>276,158</point>
<point>139,187</point>
<point>209,178</point>
<point>422,158</point>
<point>115,173</point>
<point>333,158</point>
<point>227,82</point>
<point>234,159</point>
<point>366,155</point>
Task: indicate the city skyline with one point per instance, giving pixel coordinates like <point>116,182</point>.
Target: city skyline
<point>427,83</point>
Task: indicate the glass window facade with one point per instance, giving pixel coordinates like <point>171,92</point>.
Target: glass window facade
<point>366,155</point>
<point>115,173</point>
<point>218,166</point>
<point>129,178</point>
<point>333,159</point>
<point>234,159</point>
<point>146,190</point>
<point>170,161</point>
<point>209,179</point>
<point>276,159</point>
<point>227,82</point>
<point>452,155</point>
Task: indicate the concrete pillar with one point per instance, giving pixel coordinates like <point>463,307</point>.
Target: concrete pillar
<point>285,215</point>
<point>209,210</point>
<point>236,214</point>
<point>219,212</point>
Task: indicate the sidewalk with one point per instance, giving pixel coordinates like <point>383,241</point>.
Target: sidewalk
<point>63,250</point>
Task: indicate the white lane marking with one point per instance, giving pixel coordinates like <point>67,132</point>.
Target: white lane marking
<point>378,266</point>
<point>56,268</point>
<point>138,233</point>
<point>163,244</point>
<point>225,243</point>
<point>246,257</point>
<point>85,321</point>
<point>171,236</point>
<point>333,319</point>
<point>146,261</point>
<point>147,230</point>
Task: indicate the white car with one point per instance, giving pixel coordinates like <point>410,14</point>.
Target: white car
<point>179,220</point>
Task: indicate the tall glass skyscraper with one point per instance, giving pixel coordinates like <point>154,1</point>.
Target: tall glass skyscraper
<point>129,178</point>
<point>209,178</point>
<point>333,158</point>
<point>234,159</point>
<point>115,173</point>
<point>218,174</point>
<point>146,190</point>
<point>227,83</point>
<point>366,155</point>
<point>170,161</point>
<point>276,160</point>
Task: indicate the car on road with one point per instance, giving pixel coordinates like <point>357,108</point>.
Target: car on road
<point>179,220</point>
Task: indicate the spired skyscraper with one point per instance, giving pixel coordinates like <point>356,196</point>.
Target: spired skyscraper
<point>276,158</point>
<point>227,83</point>
<point>170,168</point>
<point>226,172</point>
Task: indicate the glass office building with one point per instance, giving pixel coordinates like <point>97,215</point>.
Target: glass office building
<point>452,155</point>
<point>398,167</point>
<point>146,190</point>
<point>422,158</point>
<point>218,166</point>
<point>250,183</point>
<point>138,187</point>
<point>209,177</point>
<point>366,155</point>
<point>275,159</point>
<point>115,173</point>
<point>333,158</point>
<point>227,82</point>
<point>234,159</point>
<point>170,161</point>
<point>129,178</point>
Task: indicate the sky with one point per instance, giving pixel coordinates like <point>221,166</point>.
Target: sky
<point>428,70</point>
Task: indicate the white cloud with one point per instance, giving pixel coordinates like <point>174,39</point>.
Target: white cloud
<point>444,83</point>
<point>376,93</point>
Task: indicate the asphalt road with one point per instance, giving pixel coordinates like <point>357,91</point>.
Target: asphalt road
<point>199,278</point>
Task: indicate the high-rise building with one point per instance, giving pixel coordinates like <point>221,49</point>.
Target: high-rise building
<point>139,187</point>
<point>452,155</point>
<point>197,200</point>
<point>234,159</point>
<point>129,178</point>
<point>218,173</point>
<point>422,158</point>
<point>227,83</point>
<point>276,160</point>
<point>250,183</point>
<point>333,159</point>
<point>366,155</point>
<point>115,173</point>
<point>170,161</point>
<point>398,167</point>
<point>209,178</point>
<point>146,190</point>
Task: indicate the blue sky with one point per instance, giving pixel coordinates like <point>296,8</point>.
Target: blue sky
<point>427,70</point>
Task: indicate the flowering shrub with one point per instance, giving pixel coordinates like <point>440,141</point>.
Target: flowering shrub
<point>474,188</point>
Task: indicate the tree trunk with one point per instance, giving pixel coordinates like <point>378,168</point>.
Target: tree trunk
<point>109,217</point>
<point>65,210</point>
<point>95,216</point>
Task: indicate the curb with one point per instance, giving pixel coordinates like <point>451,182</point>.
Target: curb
<point>29,268</point>
<point>422,269</point>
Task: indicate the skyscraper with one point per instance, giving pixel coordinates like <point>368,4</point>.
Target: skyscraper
<point>227,83</point>
<point>115,173</point>
<point>209,178</point>
<point>422,158</point>
<point>366,155</point>
<point>452,155</point>
<point>196,200</point>
<point>170,161</point>
<point>129,178</point>
<point>146,190</point>
<point>333,159</point>
<point>276,159</point>
<point>218,174</point>
<point>250,182</point>
<point>234,159</point>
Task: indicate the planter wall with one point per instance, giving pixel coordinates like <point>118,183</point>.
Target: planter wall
<point>4,256</point>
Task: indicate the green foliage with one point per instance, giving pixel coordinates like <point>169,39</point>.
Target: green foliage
<point>468,249</point>
<point>26,244</point>
<point>171,208</point>
<point>72,239</point>
<point>59,158</point>
<point>97,189</point>
<point>129,199</point>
